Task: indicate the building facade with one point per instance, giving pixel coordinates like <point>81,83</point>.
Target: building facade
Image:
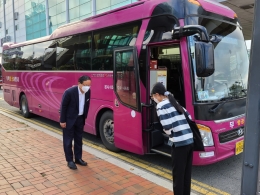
<point>23,20</point>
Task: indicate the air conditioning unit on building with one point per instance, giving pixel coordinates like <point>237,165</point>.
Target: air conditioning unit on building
<point>16,15</point>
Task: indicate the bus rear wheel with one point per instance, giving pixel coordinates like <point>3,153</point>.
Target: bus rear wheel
<point>106,130</point>
<point>24,107</point>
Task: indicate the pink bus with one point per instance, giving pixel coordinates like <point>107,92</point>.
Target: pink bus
<point>194,47</point>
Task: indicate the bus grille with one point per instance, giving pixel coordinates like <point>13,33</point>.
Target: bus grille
<point>231,135</point>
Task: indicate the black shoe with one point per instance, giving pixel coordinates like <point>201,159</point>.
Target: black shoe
<point>72,165</point>
<point>81,162</point>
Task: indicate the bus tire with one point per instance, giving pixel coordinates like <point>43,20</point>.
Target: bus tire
<point>106,130</point>
<point>24,107</point>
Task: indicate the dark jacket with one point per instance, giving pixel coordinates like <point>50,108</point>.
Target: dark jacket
<point>70,106</point>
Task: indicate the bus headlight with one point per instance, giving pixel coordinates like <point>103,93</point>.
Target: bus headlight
<point>206,135</point>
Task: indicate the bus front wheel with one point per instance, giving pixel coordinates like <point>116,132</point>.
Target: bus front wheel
<point>106,130</point>
<point>24,107</point>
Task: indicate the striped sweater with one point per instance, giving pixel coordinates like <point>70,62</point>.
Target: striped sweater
<point>174,124</point>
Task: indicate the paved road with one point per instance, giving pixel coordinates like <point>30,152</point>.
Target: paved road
<point>220,178</point>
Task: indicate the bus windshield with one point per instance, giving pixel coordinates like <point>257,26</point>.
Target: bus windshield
<point>229,80</point>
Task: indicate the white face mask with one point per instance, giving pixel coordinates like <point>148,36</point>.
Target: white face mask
<point>85,88</point>
<point>154,99</point>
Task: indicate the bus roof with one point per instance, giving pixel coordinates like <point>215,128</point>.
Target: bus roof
<point>132,12</point>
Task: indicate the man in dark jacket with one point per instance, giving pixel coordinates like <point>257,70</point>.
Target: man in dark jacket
<point>74,111</point>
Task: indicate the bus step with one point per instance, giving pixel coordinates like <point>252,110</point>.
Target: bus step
<point>161,152</point>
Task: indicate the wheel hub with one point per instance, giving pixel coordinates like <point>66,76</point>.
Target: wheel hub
<point>109,131</point>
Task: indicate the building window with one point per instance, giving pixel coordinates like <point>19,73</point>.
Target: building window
<point>16,27</point>
<point>35,16</point>
<point>79,9</point>
<point>57,14</point>
<point>103,6</point>
<point>6,31</point>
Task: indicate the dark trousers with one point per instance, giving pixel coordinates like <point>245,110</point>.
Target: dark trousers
<point>75,132</point>
<point>181,169</point>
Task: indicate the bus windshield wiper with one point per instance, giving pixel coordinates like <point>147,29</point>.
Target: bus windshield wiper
<point>223,100</point>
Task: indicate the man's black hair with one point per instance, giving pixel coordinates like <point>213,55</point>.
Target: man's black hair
<point>84,78</point>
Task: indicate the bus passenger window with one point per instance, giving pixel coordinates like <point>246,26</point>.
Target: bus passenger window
<point>49,61</point>
<point>38,57</point>
<point>8,59</point>
<point>83,52</point>
<point>24,60</point>
<point>107,40</point>
<point>65,53</point>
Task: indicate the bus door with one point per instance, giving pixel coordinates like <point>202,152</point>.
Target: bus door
<point>165,67</point>
<point>127,106</point>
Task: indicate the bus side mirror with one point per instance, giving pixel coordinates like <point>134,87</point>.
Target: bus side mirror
<point>188,30</point>
<point>204,55</point>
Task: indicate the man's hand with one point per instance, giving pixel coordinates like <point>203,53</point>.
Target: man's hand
<point>63,125</point>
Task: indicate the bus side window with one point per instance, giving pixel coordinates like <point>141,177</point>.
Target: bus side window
<point>39,55</point>
<point>107,40</point>
<point>8,62</point>
<point>83,52</point>
<point>23,61</point>
<point>49,60</point>
<point>66,47</point>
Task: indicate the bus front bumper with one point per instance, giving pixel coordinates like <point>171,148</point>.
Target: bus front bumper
<point>215,154</point>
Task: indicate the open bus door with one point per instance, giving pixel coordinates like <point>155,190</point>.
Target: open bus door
<point>164,60</point>
<point>127,106</point>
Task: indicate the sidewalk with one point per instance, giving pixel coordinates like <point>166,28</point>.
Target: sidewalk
<point>32,162</point>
